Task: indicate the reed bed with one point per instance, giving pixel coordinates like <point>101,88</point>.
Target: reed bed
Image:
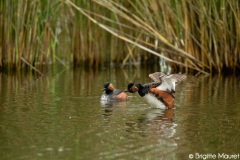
<point>27,33</point>
<point>92,46</point>
<point>186,35</point>
<point>195,35</point>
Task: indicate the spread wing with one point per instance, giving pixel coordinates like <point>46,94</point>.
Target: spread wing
<point>151,85</point>
<point>156,77</point>
<point>168,82</point>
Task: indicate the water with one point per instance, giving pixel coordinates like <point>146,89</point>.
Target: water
<point>59,116</point>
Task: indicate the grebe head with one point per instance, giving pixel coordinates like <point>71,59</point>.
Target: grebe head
<point>108,87</point>
<point>132,88</point>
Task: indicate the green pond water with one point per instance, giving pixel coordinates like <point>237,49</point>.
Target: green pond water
<point>59,116</point>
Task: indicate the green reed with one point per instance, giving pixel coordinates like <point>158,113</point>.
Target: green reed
<point>90,45</point>
<point>196,35</point>
<point>188,35</point>
<point>27,33</point>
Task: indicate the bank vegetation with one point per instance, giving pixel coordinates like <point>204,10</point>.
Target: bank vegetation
<point>187,35</point>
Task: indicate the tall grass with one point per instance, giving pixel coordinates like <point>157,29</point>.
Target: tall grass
<point>195,35</point>
<point>90,45</point>
<point>27,35</point>
<point>190,35</point>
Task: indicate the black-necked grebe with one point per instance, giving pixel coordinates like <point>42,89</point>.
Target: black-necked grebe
<point>111,94</point>
<point>160,92</point>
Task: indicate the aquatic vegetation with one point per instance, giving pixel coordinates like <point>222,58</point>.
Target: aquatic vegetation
<point>194,35</point>
<point>27,33</point>
<point>202,36</point>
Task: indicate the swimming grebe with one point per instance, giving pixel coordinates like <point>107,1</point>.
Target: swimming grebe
<point>111,94</point>
<point>160,92</point>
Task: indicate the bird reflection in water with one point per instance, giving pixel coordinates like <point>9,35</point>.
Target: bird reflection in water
<point>155,122</point>
<point>158,121</point>
<point>109,106</point>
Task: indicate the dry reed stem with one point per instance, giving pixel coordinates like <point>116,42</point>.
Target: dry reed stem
<point>199,35</point>
<point>35,69</point>
<point>129,40</point>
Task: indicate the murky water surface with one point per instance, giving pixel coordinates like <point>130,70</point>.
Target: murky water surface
<point>59,116</point>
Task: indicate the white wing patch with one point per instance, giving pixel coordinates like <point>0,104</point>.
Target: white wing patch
<point>168,81</point>
<point>168,84</point>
